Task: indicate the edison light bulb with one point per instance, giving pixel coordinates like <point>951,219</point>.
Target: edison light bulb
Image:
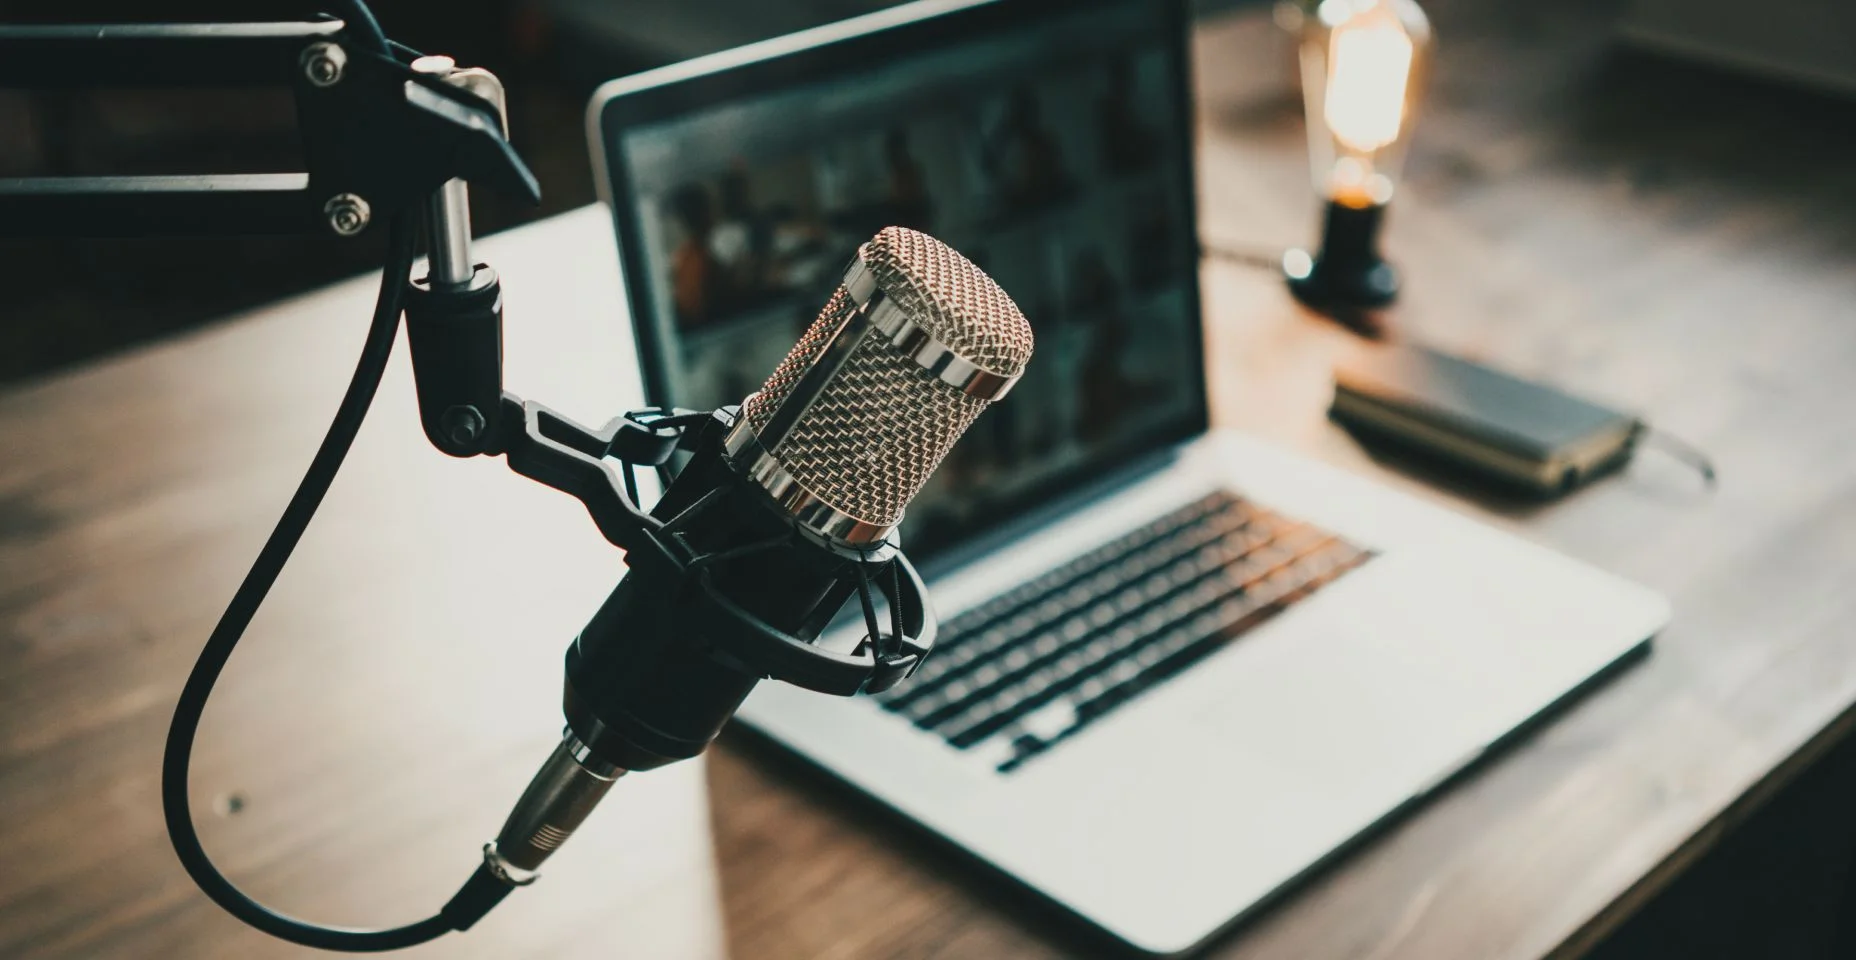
<point>1363,64</point>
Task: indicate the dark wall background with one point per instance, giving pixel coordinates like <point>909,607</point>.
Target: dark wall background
<point>70,300</point>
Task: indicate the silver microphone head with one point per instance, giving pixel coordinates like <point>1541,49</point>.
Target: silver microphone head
<point>911,347</point>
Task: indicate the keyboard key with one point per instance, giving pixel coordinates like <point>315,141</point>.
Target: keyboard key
<point>1050,721</point>
<point>998,751</point>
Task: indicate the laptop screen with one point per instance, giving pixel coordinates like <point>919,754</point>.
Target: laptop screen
<point>1052,151</point>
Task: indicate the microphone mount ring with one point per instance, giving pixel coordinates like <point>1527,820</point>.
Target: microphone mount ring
<point>778,655</point>
<point>554,450</point>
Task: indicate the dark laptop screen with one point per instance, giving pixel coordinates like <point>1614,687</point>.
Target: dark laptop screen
<point>1051,152</point>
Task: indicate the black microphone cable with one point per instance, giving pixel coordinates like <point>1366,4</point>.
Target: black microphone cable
<point>1242,254</point>
<point>486,888</point>
<point>361,21</point>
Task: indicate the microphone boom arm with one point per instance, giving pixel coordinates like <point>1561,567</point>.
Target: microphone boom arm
<point>379,137</point>
<point>390,134</point>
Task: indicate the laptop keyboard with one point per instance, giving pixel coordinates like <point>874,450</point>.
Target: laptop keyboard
<point>1042,661</point>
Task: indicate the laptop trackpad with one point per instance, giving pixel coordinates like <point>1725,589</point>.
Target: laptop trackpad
<point>1359,690</point>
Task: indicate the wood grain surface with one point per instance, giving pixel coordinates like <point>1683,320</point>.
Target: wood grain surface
<point>393,696</point>
<point>1647,233</point>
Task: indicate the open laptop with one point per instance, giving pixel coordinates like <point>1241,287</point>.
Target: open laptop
<point>1178,669</point>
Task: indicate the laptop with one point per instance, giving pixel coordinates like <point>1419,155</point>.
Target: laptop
<point>1178,668</point>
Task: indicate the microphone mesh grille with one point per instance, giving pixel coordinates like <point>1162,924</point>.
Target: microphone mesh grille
<point>955,301</point>
<point>883,424</point>
<point>876,434</point>
<point>761,406</point>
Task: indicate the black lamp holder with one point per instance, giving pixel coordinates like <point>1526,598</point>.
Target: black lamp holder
<point>1346,278</point>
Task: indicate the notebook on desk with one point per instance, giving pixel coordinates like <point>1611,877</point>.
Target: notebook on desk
<point>1524,434</point>
<point>1178,668</point>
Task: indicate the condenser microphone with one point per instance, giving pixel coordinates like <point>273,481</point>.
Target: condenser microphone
<point>787,510</point>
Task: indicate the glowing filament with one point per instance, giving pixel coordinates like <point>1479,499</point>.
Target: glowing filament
<point>1368,68</point>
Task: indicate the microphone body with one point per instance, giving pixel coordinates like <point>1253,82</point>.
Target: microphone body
<point>787,509</point>
<point>644,687</point>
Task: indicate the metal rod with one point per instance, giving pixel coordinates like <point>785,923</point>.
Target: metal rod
<point>448,214</point>
<point>158,206</point>
<point>142,55</point>
<point>448,224</point>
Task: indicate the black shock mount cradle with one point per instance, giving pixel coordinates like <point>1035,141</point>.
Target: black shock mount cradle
<point>456,340</point>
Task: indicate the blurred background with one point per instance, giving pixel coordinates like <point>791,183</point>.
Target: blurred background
<point>76,299</point>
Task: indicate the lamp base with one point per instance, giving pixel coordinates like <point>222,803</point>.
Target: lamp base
<point>1321,287</point>
<point>1346,280</point>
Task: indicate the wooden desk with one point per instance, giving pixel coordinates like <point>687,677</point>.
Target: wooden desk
<point>1676,243</point>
